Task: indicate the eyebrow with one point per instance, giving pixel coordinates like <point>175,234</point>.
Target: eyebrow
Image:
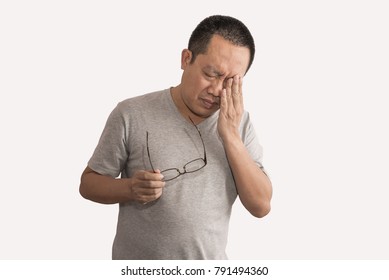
<point>213,70</point>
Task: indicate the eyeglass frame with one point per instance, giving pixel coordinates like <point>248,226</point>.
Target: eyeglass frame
<point>177,169</point>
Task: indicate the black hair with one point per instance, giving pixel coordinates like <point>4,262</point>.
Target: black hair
<point>231,29</point>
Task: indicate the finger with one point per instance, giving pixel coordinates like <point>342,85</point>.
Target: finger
<point>149,175</point>
<point>153,176</point>
<point>147,194</point>
<point>232,96</point>
<point>151,197</point>
<point>229,88</point>
<point>147,191</point>
<point>150,185</point>
<point>237,97</point>
<point>223,102</point>
<point>235,85</point>
<point>226,103</point>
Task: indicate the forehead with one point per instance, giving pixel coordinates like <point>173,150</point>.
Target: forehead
<point>224,57</point>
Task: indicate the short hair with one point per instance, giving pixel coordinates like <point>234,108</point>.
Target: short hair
<point>229,28</point>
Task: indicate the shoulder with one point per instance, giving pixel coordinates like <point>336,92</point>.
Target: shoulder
<point>245,119</point>
<point>143,99</point>
<point>141,102</point>
<point>246,126</point>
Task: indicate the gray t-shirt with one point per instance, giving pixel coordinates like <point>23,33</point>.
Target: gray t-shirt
<point>191,218</point>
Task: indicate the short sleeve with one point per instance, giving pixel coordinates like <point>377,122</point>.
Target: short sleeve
<point>111,153</point>
<point>251,141</point>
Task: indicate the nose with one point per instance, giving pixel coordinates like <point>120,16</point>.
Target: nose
<point>216,87</point>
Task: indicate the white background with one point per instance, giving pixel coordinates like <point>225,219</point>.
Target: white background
<point>317,94</point>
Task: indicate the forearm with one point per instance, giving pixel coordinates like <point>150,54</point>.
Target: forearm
<point>253,185</point>
<point>104,189</point>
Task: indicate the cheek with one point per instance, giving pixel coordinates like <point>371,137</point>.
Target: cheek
<point>198,84</point>
<point>202,83</point>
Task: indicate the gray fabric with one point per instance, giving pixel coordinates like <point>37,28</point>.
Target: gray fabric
<point>191,218</point>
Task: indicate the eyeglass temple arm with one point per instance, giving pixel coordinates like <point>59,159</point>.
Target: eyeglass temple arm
<point>202,141</point>
<point>148,150</point>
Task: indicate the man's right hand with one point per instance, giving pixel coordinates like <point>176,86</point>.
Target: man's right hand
<point>146,186</point>
<point>143,186</point>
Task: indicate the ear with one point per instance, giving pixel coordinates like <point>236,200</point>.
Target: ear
<point>186,57</point>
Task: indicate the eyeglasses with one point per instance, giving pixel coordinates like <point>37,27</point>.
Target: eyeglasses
<point>192,166</point>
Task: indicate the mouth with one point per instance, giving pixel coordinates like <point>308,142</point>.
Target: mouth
<point>209,104</point>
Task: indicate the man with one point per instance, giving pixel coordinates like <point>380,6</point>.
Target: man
<point>184,154</point>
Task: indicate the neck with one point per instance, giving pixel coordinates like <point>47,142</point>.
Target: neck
<point>185,111</point>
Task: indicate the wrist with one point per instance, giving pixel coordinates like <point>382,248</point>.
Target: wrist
<point>231,138</point>
<point>127,189</point>
<point>120,190</point>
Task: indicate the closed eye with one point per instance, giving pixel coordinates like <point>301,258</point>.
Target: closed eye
<point>209,76</point>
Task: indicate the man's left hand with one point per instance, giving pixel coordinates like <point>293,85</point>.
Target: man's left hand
<point>231,108</point>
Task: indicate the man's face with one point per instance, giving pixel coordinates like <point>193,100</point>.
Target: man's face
<point>203,80</point>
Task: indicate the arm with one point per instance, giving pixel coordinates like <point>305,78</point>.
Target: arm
<point>143,187</point>
<point>253,186</point>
